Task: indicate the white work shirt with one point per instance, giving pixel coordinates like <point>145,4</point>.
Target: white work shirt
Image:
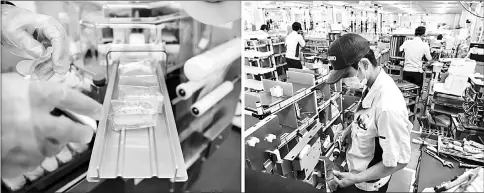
<point>292,40</point>
<point>415,50</point>
<point>382,115</point>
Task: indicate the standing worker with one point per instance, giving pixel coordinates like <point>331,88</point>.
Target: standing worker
<point>29,132</point>
<point>380,133</point>
<point>415,50</point>
<point>294,43</point>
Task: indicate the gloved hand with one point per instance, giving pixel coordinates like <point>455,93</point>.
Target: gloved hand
<point>18,26</point>
<point>29,132</point>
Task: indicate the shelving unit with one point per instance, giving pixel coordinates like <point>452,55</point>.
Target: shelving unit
<point>411,93</point>
<point>286,136</point>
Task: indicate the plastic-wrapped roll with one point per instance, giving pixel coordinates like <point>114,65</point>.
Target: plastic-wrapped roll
<point>212,61</point>
<point>15,183</point>
<point>212,98</point>
<point>186,90</point>
<point>33,175</point>
<point>50,164</point>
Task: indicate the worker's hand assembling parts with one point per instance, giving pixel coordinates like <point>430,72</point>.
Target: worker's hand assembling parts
<point>18,27</point>
<point>344,179</point>
<point>29,132</point>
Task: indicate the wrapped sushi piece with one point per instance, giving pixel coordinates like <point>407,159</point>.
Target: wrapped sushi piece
<point>140,92</point>
<point>15,183</point>
<point>136,68</point>
<point>134,113</point>
<point>141,106</point>
<point>64,155</point>
<point>139,80</point>
<point>78,147</point>
<point>33,175</point>
<point>50,164</point>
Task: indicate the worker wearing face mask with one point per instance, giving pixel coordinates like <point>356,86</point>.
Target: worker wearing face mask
<point>380,133</point>
<point>29,132</point>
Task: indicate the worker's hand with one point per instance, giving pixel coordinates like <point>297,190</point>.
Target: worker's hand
<point>344,179</point>
<point>29,132</point>
<point>18,26</point>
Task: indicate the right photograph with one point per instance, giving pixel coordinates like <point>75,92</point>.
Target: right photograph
<point>363,96</point>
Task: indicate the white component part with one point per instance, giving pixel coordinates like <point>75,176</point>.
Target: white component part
<point>213,61</point>
<point>50,164</point>
<point>277,91</point>
<point>15,183</point>
<point>212,98</point>
<point>327,142</point>
<point>478,156</point>
<point>186,90</point>
<point>33,175</point>
<point>252,141</point>
<point>457,143</point>
<point>64,155</point>
<point>269,138</point>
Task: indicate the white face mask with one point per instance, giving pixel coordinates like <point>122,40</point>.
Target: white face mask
<point>354,82</point>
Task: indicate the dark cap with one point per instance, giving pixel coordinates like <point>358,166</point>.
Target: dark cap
<point>344,52</point>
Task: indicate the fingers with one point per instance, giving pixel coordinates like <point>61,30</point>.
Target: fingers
<point>337,174</point>
<point>25,41</point>
<point>54,32</point>
<point>339,182</point>
<point>64,97</point>
<point>58,131</point>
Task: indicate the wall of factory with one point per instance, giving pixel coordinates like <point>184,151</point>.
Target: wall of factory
<point>449,19</point>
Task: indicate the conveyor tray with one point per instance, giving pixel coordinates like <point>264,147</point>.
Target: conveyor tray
<point>141,153</point>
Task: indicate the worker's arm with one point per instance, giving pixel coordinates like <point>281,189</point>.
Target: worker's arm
<point>427,54</point>
<point>301,41</point>
<point>402,47</point>
<point>377,171</point>
<point>394,137</point>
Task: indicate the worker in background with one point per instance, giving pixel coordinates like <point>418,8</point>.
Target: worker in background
<point>380,133</point>
<point>394,26</point>
<point>29,132</point>
<point>294,43</point>
<point>415,50</point>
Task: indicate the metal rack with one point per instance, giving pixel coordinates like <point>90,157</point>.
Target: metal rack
<point>289,136</point>
<point>411,94</point>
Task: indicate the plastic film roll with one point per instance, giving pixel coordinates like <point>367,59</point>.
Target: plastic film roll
<point>186,90</point>
<point>212,61</point>
<point>212,98</point>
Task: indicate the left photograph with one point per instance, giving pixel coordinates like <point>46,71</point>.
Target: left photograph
<point>121,96</point>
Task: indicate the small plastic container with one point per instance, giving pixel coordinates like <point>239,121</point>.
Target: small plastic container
<point>141,80</point>
<point>139,92</point>
<point>134,114</point>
